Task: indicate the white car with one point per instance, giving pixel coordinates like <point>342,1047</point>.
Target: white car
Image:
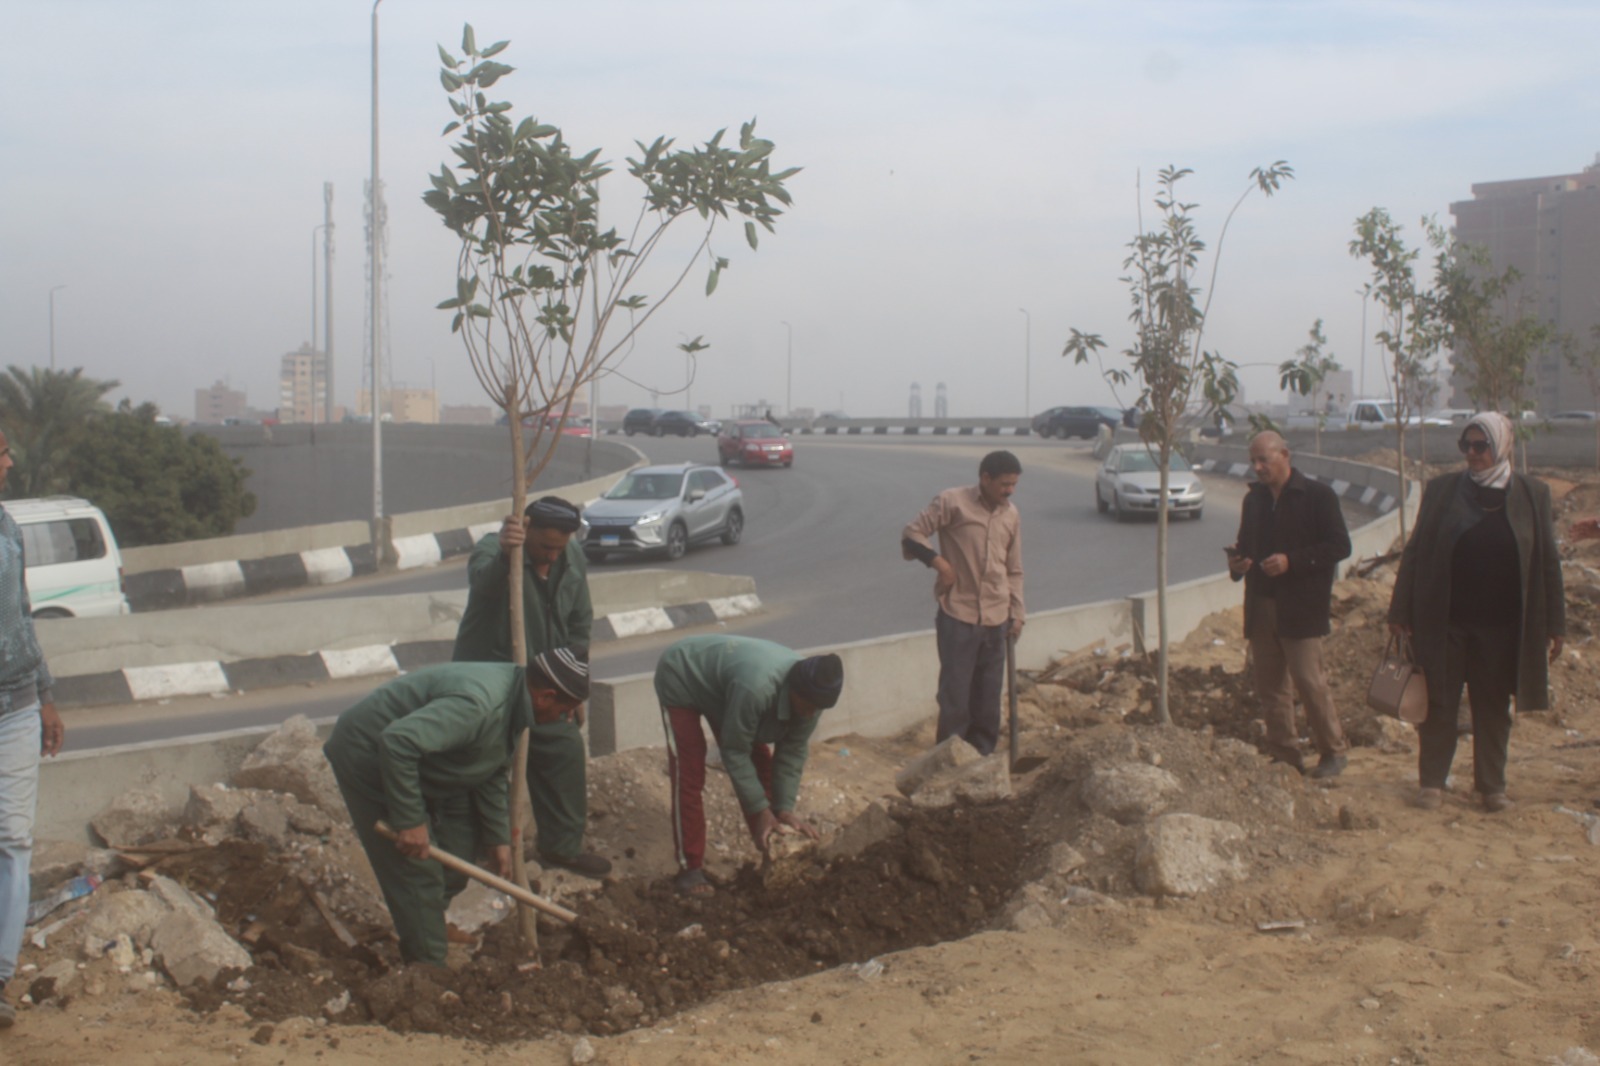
<point>1129,483</point>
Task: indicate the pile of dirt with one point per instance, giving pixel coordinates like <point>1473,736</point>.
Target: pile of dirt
<point>640,952</point>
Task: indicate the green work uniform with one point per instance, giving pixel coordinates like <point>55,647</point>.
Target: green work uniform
<point>431,748</point>
<point>557,613</point>
<point>741,686</point>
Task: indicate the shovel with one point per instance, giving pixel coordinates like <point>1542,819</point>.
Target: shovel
<point>478,873</point>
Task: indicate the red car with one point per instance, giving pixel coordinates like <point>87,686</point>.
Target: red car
<point>754,444</point>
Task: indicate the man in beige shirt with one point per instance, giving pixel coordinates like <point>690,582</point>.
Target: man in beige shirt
<point>979,591</point>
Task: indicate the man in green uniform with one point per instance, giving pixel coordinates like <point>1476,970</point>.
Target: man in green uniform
<point>430,753</point>
<point>753,693</point>
<point>556,612</point>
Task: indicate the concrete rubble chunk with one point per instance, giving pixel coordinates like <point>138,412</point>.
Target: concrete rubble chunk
<point>1062,858</point>
<point>476,907</point>
<point>138,816</point>
<point>948,753</point>
<point>190,945</point>
<point>214,808</point>
<point>871,826</point>
<point>984,781</point>
<point>176,897</point>
<point>132,913</point>
<point>291,760</point>
<point>1186,855</point>
<point>1129,793</point>
<point>55,862</point>
<point>266,822</point>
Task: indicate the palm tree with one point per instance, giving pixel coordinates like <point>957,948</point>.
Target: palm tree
<point>41,412</point>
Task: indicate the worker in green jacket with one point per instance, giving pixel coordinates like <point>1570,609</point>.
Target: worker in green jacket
<point>556,612</point>
<point>752,693</point>
<point>430,753</point>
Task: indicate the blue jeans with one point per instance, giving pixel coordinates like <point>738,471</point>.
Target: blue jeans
<point>20,736</point>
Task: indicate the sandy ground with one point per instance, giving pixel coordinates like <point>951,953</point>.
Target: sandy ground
<point>1448,936</point>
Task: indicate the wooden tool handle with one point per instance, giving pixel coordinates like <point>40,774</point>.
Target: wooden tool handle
<point>478,873</point>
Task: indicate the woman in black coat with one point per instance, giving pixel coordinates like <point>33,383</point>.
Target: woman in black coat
<point>1479,594</point>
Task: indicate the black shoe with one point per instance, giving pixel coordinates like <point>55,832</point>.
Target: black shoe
<point>1329,766</point>
<point>585,863</point>
<point>8,1013</point>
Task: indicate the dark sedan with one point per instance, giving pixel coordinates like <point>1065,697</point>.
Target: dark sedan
<point>684,424</point>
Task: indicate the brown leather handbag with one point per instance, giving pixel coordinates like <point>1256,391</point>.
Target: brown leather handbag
<point>1398,687</point>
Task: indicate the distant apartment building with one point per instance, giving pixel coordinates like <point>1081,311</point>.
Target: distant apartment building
<point>218,403</point>
<point>467,414</point>
<point>1549,229</point>
<point>402,404</point>
<point>302,386</point>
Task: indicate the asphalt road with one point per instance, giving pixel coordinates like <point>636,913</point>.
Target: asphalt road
<point>822,541</point>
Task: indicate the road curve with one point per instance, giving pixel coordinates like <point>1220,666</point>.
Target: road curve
<point>822,541</point>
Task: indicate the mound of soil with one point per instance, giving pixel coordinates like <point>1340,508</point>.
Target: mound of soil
<point>639,952</point>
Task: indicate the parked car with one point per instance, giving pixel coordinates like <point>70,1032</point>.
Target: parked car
<point>1080,421</point>
<point>1044,418</point>
<point>754,444</point>
<point>664,509</point>
<point>1129,482</point>
<point>640,420</point>
<point>74,567</point>
<point>1574,416</point>
<point>684,424</point>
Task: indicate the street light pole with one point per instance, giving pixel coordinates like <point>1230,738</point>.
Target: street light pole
<point>377,286</point>
<point>314,231</point>
<point>1366,297</point>
<point>1027,363</point>
<point>788,371</point>
<point>53,325</point>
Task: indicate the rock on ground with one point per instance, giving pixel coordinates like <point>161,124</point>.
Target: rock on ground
<point>1130,793</point>
<point>1186,855</point>
<point>138,816</point>
<point>984,781</point>
<point>291,760</point>
<point>948,754</point>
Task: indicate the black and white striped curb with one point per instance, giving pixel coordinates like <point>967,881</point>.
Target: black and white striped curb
<point>136,683</point>
<point>897,430</point>
<point>1366,495</point>
<point>160,590</point>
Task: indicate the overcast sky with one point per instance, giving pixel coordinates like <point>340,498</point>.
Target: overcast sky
<point>164,161</point>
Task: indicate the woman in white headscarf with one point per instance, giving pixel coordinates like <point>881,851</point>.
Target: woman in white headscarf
<point>1479,594</point>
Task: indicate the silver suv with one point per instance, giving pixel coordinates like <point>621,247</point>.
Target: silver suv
<point>664,509</point>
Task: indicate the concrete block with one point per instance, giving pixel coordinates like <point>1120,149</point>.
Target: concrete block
<point>137,816</point>
<point>985,781</point>
<point>1186,855</point>
<point>175,679</point>
<point>326,566</point>
<point>213,581</point>
<point>193,947</point>
<point>133,913</point>
<point>247,674</point>
<point>453,542</point>
<point>291,761</point>
<point>155,590</point>
<point>1129,793</point>
<point>273,573</point>
<point>415,654</point>
<point>360,662</point>
<point>89,690</point>
<point>947,754</point>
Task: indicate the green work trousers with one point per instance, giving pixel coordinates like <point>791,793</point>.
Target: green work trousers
<point>558,787</point>
<point>417,891</point>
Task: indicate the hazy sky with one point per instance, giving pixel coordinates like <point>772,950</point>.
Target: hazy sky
<point>165,160</point>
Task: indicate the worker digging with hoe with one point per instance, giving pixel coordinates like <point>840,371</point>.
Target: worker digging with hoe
<point>430,754</point>
<point>752,693</point>
<point>556,612</point>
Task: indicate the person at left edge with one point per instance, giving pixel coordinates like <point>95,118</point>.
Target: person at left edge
<point>29,728</point>
<point>430,753</point>
<point>556,612</point>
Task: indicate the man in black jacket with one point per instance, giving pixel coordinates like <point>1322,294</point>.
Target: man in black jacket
<point>1291,539</point>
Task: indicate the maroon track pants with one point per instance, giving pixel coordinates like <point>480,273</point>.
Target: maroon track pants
<point>686,766</point>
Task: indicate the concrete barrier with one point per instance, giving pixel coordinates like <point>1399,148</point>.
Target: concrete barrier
<point>241,647</point>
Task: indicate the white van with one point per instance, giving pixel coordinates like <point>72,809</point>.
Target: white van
<point>74,566</point>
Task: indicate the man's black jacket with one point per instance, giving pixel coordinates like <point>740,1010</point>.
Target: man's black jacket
<point>1307,526</point>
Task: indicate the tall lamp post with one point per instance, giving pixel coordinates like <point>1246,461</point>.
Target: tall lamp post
<point>377,286</point>
<point>53,292</point>
<point>314,231</point>
<point>788,371</point>
<point>1027,363</point>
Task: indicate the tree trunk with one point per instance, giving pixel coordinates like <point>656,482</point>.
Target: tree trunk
<point>519,805</point>
<point>1163,715</point>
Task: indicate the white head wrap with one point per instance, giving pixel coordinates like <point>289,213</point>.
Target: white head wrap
<point>1497,428</point>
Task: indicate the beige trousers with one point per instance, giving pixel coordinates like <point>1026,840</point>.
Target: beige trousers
<point>1282,668</point>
